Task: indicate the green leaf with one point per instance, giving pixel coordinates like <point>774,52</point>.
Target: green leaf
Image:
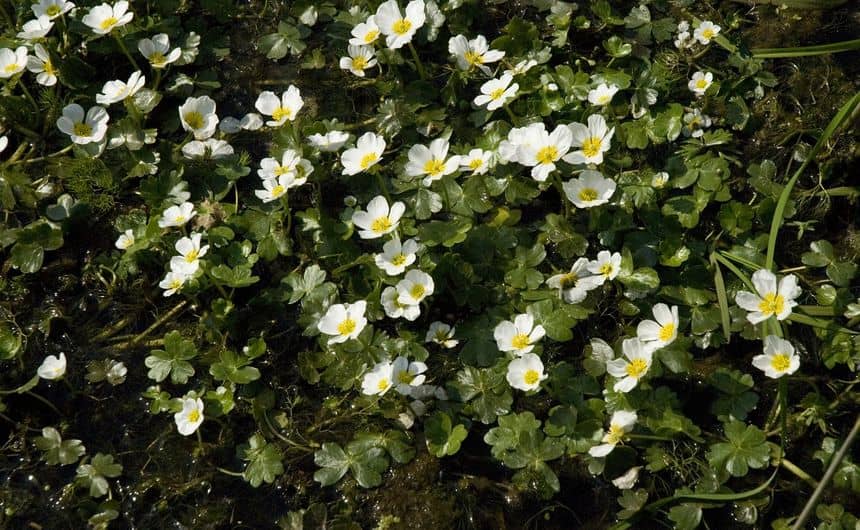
<point>264,461</point>
<point>172,360</point>
<point>737,400</point>
<point>94,475</point>
<point>10,342</point>
<point>442,438</point>
<point>746,448</point>
<point>367,466</point>
<point>486,391</point>
<point>686,516</point>
<point>58,451</point>
<point>27,257</point>
<point>234,368</point>
<point>334,463</point>
<point>239,276</point>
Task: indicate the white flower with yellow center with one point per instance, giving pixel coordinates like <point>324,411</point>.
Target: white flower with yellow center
<point>414,287</point>
<point>521,67</point>
<point>282,109</point>
<point>12,62</point>
<point>526,373</point>
<point>198,117</point>
<point>41,65</point>
<point>365,33</point>
<point>779,358</point>
<point>622,422</point>
<point>83,128</point>
<point>36,28</point>
<point>407,375</point>
<point>630,370</point>
<point>477,161</point>
<point>190,251</point>
<point>190,417</point>
<point>590,189</point>
<point>125,240</point>
<point>497,92</point>
<point>330,141</point>
<point>343,321</point>
<point>291,163</point>
<point>398,28</point>
<point>472,53</point>
<point>394,309</point>
<point>177,215</point>
<point>683,39</point>
<point>541,150</point>
<point>519,336</point>
<point>659,179</point>
<point>431,161</point>
<point>208,149</point>
<point>509,148</point>
<point>706,31</point>
<point>772,299</point>
<point>360,58</point>
<point>606,266</point>
<point>592,140</point>
<point>396,257</point>
<point>275,188</point>
<point>51,8</point>
<point>602,95</point>
<point>52,368</point>
<point>116,91</point>
<point>379,219</point>
<point>695,123</point>
<point>442,334</point>
<point>173,282</point>
<point>700,82</point>
<point>366,153</point>
<point>661,331</point>
<point>574,285</point>
<point>157,51</point>
<point>378,380</point>
<point>104,18</point>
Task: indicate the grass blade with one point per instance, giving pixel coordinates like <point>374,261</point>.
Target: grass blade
<point>722,298</point>
<point>806,51</point>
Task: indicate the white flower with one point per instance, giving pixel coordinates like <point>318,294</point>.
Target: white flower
<point>660,179</point>
<point>198,117</point>
<point>365,33</point>
<point>251,121</point>
<point>590,189</point>
<point>662,332</point>
<point>157,51</point>
<point>177,215</point>
<point>700,82</point>
<point>330,141</point>
<point>12,62</point>
<point>190,417</point>
<point>52,8</point>
<point>366,153</point>
<point>519,336</point>
<point>173,282</point>
<point>190,252</point>
<point>574,285</point>
<point>36,28</point>
<point>396,257</point>
<point>275,188</point>
<point>606,266</point>
<point>104,18</point>
<point>770,300</point>
<point>83,129</point>
<point>210,149</point>
<point>116,372</point>
<point>475,52</point>
<point>509,148</point>
<point>779,358</point>
<point>629,371</point>
<point>399,29</point>
<point>394,309</point>
<point>41,65</point>
<point>414,287</point>
<point>116,91</point>
<point>602,95</point>
<point>230,125</point>
<point>621,423</point>
<point>125,240</point>
<point>4,142</point>
<point>526,372</point>
<point>291,163</point>
<point>683,39</point>
<point>695,123</point>
<point>541,150</point>
<point>407,375</point>
<point>628,479</point>
<point>281,109</point>
<point>52,367</point>
<point>441,334</point>
<point>706,31</point>
<point>378,220</point>
<point>431,161</point>
<point>360,58</point>
<point>178,193</point>
<point>593,140</point>
<point>343,321</point>
<point>378,380</point>
<point>477,161</point>
<point>521,67</point>
<point>497,92</point>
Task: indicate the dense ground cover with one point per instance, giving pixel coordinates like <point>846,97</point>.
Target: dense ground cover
<point>428,265</point>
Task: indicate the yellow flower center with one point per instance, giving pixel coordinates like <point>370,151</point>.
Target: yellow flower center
<point>370,36</point>
<point>405,377</point>
<point>666,331</point>
<point>772,304</point>
<point>606,269</point>
<point>434,167</point>
<point>11,68</point>
<point>194,119</point>
<point>520,341</point>
<point>588,194</point>
<point>547,155</point>
<point>346,327</point>
<point>281,170</point>
<point>417,291</point>
<point>568,281</point>
<point>191,257</point>
<point>381,224</point>
<point>603,99</point>
<point>53,10</point>
<point>194,416</point>
<point>82,129</point>
<point>708,33</point>
<point>398,260</point>
<point>383,384</point>
<point>401,26</point>
<point>591,146</point>
<point>368,160</point>
<point>157,59</point>
<point>282,113</point>
<point>359,63</point>
<point>108,23</point>
<point>531,377</point>
<point>615,434</point>
<point>497,93</point>
<point>278,190</point>
<point>49,68</point>
<point>636,368</point>
<point>175,284</point>
<point>475,164</point>
<point>780,362</point>
<point>473,57</point>
<point>702,84</point>
<point>179,219</point>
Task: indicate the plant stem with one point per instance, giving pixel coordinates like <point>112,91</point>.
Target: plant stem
<point>514,120</point>
<point>418,63</point>
<point>164,318</point>
<point>124,49</point>
<point>27,93</point>
<point>43,158</point>
<point>803,475</point>
<point>382,187</point>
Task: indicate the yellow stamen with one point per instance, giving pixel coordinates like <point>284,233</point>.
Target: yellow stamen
<point>591,146</point>
<point>282,113</point>
<point>359,63</point>
<point>520,341</point>
<point>531,377</point>
<point>82,129</point>
<point>108,23</point>
<point>417,291</point>
<point>666,331</point>
<point>368,160</point>
<point>588,194</point>
<point>604,99</point>
<point>194,416</point>
<point>381,224</point>
<point>702,84</point>
<point>11,68</point>
<point>370,36</point>
<point>434,167</point>
<point>780,362</point>
<point>405,377</point>
<point>615,434</point>
<point>606,269</point>
<point>475,164</point>
<point>157,59</point>
<point>278,190</point>
<point>191,257</point>
<point>772,304</point>
<point>637,368</point>
<point>383,385</point>
<point>52,11</point>
<point>547,155</point>
<point>708,33</point>
<point>473,58</point>
<point>194,119</point>
<point>401,26</point>
<point>398,260</point>
<point>568,281</point>
<point>497,93</point>
<point>346,327</point>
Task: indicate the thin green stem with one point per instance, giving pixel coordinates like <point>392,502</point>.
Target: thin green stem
<point>43,158</point>
<point>124,49</point>
<point>28,94</point>
<point>381,183</point>
<point>418,64</point>
<point>164,318</point>
<point>514,120</point>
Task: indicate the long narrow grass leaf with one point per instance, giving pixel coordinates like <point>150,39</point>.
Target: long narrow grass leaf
<point>722,297</point>
<point>806,51</point>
